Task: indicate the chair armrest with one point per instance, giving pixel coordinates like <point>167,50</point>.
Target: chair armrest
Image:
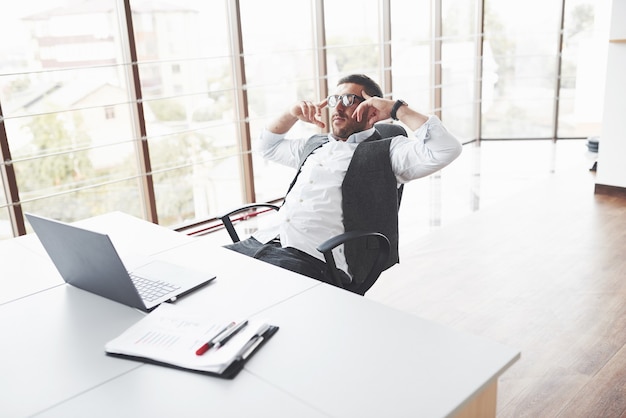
<point>383,255</point>
<point>228,222</point>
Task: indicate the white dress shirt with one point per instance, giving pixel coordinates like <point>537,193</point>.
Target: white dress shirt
<point>312,213</point>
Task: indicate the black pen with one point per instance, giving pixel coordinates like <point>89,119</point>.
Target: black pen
<point>249,348</point>
<point>231,333</point>
<point>252,344</point>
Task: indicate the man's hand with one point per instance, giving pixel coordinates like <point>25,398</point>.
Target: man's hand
<point>305,111</point>
<point>374,109</point>
<point>309,112</point>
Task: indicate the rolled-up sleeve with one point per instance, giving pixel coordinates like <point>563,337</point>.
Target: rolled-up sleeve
<point>430,149</point>
<point>274,147</point>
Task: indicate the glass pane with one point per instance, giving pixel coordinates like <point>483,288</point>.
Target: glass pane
<point>60,156</point>
<point>524,44</point>
<point>196,175</point>
<point>185,70</point>
<point>411,61</point>
<point>280,61</point>
<point>5,225</point>
<point>274,92</point>
<point>458,63</point>
<point>76,204</point>
<point>65,101</point>
<point>183,193</point>
<point>271,180</point>
<point>583,68</point>
<point>458,19</point>
<point>352,38</point>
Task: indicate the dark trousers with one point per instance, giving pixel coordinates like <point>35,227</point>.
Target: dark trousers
<point>288,258</point>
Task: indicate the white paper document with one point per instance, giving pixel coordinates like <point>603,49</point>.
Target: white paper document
<point>171,334</point>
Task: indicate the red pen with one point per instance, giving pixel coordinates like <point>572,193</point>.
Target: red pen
<point>207,346</point>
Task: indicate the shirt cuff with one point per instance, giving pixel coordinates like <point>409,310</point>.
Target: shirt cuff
<point>267,139</point>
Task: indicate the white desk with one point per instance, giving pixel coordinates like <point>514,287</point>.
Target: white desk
<point>24,271</point>
<point>363,359</point>
<point>336,355</point>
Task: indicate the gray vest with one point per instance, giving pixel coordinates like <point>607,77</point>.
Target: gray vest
<point>370,200</point>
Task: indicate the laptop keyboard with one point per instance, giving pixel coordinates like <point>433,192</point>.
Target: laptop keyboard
<point>150,290</point>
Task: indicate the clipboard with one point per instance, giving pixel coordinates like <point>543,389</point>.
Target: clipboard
<point>170,336</point>
<point>230,372</point>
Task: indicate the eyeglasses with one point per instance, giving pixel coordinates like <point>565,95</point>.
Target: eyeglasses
<point>345,99</point>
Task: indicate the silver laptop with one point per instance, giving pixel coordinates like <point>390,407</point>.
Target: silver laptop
<point>89,261</point>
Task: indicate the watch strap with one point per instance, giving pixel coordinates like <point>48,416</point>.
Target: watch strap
<point>397,105</point>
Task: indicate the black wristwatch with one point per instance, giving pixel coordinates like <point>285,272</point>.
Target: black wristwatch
<point>397,105</point>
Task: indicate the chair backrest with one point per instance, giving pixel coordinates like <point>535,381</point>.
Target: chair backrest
<point>390,130</point>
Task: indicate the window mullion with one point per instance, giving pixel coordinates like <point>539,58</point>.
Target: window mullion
<point>436,36</point>
<point>7,176</point>
<point>241,100</point>
<point>557,81</point>
<point>139,126</point>
<point>386,48</point>
<point>320,53</point>
<point>478,69</point>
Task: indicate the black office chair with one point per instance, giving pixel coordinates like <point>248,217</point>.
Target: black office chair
<point>375,240</point>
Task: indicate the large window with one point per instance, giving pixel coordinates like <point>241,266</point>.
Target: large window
<point>544,63</point>
<point>66,111</point>
<point>583,68</point>
<point>185,69</point>
<point>459,65</point>
<point>353,39</point>
<point>525,47</point>
<point>280,68</point>
<point>160,121</point>
<point>412,60</point>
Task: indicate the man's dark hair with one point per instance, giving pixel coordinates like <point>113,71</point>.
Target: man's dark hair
<point>370,86</point>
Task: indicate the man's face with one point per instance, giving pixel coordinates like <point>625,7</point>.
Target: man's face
<point>342,122</point>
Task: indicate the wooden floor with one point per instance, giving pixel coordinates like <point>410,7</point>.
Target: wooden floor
<point>543,270</point>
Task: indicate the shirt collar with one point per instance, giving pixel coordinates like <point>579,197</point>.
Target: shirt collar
<point>357,137</point>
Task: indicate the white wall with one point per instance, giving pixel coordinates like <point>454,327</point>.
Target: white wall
<point>612,149</point>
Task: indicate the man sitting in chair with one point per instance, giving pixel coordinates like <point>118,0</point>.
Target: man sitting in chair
<point>348,177</point>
